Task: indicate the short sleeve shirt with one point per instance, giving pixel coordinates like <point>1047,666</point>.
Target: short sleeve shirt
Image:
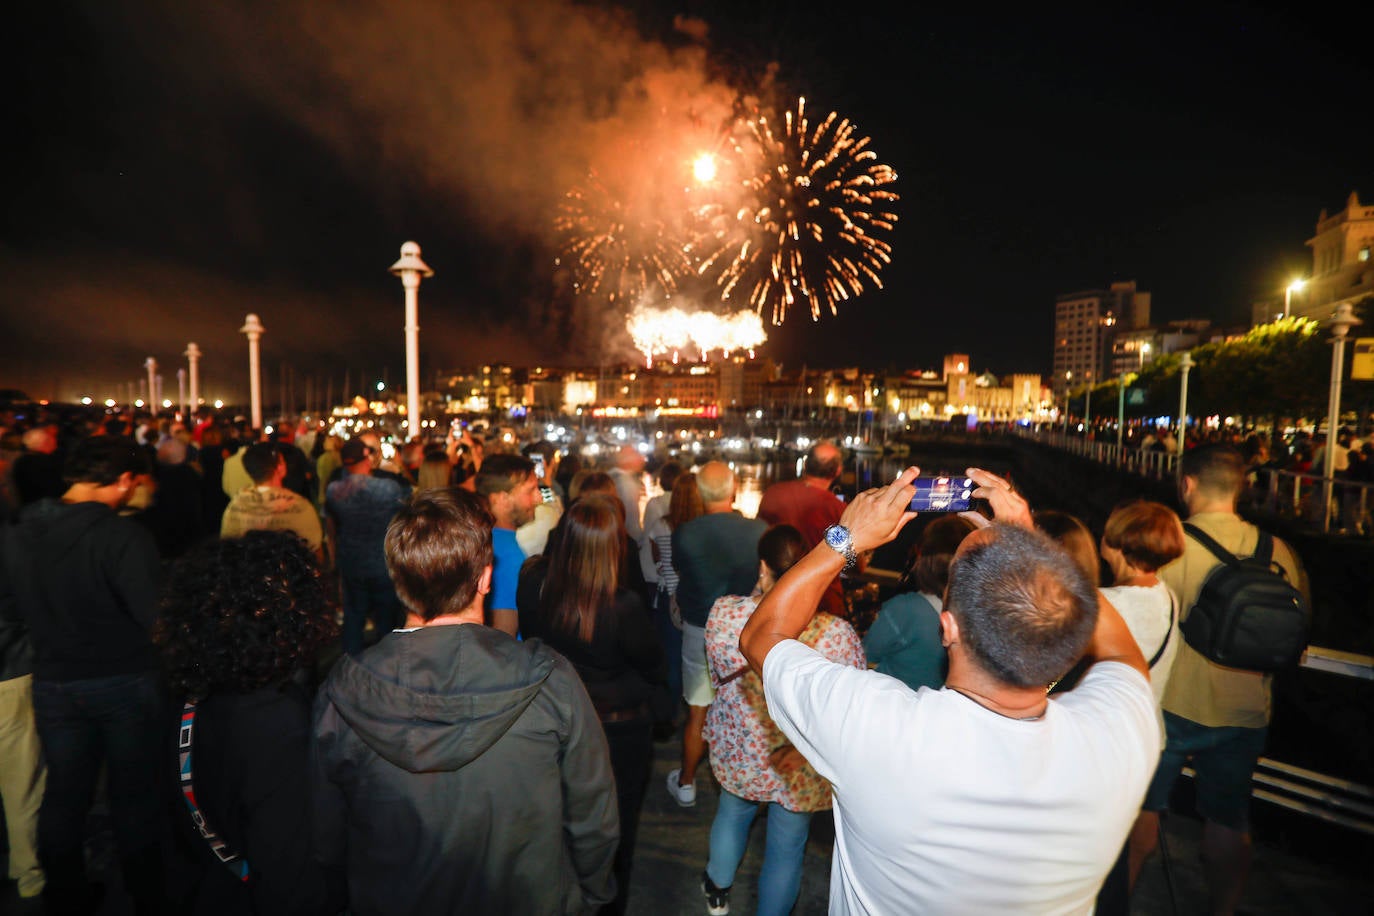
<point>942,805</point>
<point>505,571</point>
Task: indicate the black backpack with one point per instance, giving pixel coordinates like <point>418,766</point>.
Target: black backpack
<point>1248,615</point>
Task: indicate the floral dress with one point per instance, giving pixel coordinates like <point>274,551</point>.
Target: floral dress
<point>738,728</point>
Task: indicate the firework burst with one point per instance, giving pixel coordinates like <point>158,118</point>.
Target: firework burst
<point>813,231</point>
<point>658,332</point>
<point>615,253</point>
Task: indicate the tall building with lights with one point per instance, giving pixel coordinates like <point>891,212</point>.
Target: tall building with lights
<point>1085,325</point>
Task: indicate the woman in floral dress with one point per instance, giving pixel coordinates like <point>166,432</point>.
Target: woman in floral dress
<point>750,757</point>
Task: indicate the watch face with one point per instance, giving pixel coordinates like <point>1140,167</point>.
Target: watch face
<point>837,537</point>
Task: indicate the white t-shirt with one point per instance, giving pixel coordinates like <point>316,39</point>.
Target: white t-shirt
<point>944,806</point>
<point>1147,610</point>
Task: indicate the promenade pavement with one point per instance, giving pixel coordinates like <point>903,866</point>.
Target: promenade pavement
<point>1311,873</point>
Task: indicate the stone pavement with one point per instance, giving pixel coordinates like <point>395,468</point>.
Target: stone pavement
<point>1321,874</point>
<point>1300,867</point>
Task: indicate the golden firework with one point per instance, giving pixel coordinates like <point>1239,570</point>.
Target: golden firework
<point>813,230</point>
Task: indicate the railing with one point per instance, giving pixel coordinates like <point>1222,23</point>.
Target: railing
<point>1291,494</point>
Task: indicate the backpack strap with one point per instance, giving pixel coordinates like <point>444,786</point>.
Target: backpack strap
<point>1264,550</point>
<point>1215,549</point>
<point>1173,613</point>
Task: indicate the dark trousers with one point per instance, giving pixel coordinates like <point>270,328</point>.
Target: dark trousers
<point>632,755</point>
<point>364,597</point>
<point>671,638</point>
<point>115,720</point>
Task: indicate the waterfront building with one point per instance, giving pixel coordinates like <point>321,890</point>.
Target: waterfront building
<point>1342,265</point>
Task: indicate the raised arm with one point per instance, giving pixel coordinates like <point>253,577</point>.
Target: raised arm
<point>873,519</point>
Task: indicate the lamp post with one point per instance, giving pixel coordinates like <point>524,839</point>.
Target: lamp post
<point>150,365</point>
<point>1185,366</point>
<point>1340,324</point>
<point>410,268</point>
<point>1120,414</point>
<point>1068,377</point>
<point>254,329</point>
<point>181,393</point>
<point>1088,410</point>
<point>1288,291</point>
<point>192,355</point>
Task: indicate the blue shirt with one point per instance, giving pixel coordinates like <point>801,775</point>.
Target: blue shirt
<point>505,571</point>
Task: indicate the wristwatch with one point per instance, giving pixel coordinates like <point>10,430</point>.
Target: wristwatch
<point>838,539</point>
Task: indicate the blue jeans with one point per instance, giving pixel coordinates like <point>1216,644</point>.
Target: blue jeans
<point>116,720</point>
<point>364,597</point>
<point>671,638</point>
<point>783,852</point>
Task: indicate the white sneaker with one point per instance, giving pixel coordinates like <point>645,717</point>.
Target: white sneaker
<point>686,796</point>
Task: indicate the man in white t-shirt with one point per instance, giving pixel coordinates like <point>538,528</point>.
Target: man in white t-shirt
<point>984,796</point>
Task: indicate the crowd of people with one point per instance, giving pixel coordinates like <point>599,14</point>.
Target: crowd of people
<point>318,676</point>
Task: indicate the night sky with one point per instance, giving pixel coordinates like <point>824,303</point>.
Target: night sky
<point>175,166</point>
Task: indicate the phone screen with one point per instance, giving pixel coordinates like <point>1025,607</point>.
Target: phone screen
<point>538,460</point>
<point>942,494</point>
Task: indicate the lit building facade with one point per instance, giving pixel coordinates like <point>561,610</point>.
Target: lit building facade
<point>1342,264</point>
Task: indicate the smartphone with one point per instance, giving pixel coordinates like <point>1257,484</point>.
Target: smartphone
<point>942,494</point>
<point>538,459</point>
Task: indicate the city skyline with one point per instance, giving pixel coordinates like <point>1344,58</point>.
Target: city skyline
<point>267,163</point>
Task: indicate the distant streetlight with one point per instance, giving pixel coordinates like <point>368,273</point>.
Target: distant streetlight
<point>410,269</point>
<point>1068,378</point>
<point>192,355</point>
<point>1340,324</point>
<point>1185,366</point>
<point>1144,352</point>
<point>1295,287</point>
<point>151,365</point>
<point>254,329</point>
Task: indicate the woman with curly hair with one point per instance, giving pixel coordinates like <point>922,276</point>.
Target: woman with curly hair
<point>241,622</point>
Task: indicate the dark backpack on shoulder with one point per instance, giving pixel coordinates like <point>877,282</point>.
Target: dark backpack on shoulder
<point>1248,615</point>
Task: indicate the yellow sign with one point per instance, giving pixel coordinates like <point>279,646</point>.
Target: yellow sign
<point>1362,365</point>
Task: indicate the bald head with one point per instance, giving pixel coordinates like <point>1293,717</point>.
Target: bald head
<point>716,483</point>
<point>824,461</point>
<point>41,439</point>
<point>629,458</point>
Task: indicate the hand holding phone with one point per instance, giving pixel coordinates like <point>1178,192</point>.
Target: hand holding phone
<point>942,494</point>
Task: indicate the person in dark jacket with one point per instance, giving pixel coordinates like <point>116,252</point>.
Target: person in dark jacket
<point>456,769</point>
<point>575,601</point>
<point>86,581</point>
<point>242,620</point>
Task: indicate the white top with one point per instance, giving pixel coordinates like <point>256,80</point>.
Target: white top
<point>943,806</point>
<point>1146,610</point>
<point>655,509</point>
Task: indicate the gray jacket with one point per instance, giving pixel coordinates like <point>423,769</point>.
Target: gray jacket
<point>457,770</point>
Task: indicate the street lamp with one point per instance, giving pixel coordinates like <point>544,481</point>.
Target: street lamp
<point>254,329</point>
<point>192,355</point>
<point>1340,324</point>
<point>410,268</point>
<point>1068,377</point>
<point>1294,287</point>
<point>1185,365</point>
<point>151,365</point>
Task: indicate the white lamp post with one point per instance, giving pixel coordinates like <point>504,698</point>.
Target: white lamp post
<point>1185,366</point>
<point>192,355</point>
<point>1340,324</point>
<point>410,269</point>
<point>254,329</point>
<point>1294,287</point>
<point>150,365</point>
